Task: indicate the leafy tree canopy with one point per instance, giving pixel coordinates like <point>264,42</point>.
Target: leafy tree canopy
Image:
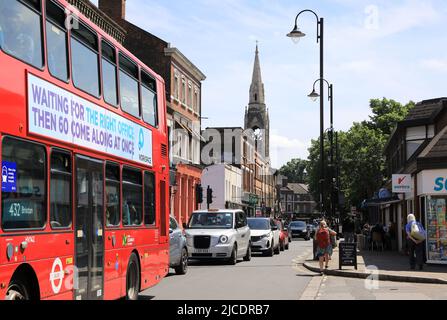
<point>294,170</point>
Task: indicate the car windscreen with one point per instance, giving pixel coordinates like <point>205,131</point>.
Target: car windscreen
<point>258,224</point>
<point>211,220</point>
<point>299,224</point>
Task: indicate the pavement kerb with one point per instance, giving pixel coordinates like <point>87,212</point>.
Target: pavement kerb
<point>383,277</point>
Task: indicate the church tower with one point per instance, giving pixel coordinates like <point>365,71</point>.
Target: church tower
<point>256,114</point>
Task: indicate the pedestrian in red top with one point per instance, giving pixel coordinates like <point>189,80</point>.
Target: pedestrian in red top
<point>324,246</point>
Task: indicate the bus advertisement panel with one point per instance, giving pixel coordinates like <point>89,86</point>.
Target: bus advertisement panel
<point>57,113</point>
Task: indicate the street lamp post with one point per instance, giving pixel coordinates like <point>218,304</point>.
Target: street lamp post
<point>296,35</point>
<point>337,173</point>
<point>314,95</point>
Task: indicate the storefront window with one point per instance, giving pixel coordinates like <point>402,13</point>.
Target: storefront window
<point>436,229</point>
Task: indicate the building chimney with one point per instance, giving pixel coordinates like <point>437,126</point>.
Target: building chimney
<point>116,9</point>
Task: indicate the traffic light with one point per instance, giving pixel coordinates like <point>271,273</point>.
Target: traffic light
<point>209,195</point>
<point>199,193</point>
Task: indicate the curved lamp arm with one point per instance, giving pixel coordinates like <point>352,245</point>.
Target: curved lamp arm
<point>330,88</point>
<point>318,22</point>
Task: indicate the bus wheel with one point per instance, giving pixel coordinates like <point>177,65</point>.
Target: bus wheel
<point>17,290</point>
<point>132,278</point>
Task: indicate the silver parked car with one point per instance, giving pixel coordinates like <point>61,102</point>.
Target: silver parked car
<point>178,251</point>
<point>265,236</point>
<point>218,234</point>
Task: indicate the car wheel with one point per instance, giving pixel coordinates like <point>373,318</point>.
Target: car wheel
<point>183,267</point>
<point>233,259</point>
<point>248,255</point>
<point>277,249</point>
<point>269,252</point>
<point>132,278</point>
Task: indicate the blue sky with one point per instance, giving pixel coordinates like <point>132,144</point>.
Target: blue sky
<point>373,49</point>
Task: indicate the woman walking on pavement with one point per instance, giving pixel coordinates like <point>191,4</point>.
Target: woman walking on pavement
<point>415,239</point>
<point>324,246</point>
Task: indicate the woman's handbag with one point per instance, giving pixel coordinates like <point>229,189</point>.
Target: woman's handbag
<point>333,241</point>
<point>416,232</point>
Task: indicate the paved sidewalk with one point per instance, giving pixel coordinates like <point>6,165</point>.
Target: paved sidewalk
<point>392,266</point>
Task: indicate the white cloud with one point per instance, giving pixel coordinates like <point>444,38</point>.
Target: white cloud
<point>434,64</point>
<point>380,21</point>
<point>283,149</point>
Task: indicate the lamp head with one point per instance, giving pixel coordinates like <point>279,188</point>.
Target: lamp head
<point>296,34</point>
<point>313,95</point>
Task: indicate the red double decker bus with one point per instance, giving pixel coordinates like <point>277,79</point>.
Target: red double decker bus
<point>85,170</point>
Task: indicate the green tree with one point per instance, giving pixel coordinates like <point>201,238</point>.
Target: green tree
<point>294,170</point>
<point>362,163</point>
<point>314,171</point>
<point>386,114</point>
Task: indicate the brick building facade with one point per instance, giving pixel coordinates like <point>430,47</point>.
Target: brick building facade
<point>183,82</point>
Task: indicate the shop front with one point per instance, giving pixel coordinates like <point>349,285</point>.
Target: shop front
<point>249,201</point>
<point>432,193</point>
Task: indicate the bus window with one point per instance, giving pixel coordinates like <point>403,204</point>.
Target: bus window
<point>109,74</point>
<point>129,86</point>
<point>84,59</point>
<point>56,41</point>
<point>132,197</point>
<point>60,190</point>
<point>112,195</point>
<point>149,99</point>
<point>23,185</point>
<point>149,198</point>
<point>21,30</point>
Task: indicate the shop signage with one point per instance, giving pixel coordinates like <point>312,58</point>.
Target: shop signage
<point>347,254</point>
<point>401,183</point>
<point>432,182</point>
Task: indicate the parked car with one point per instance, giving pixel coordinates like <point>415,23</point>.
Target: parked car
<point>178,251</point>
<point>218,234</point>
<point>299,230</point>
<point>264,236</point>
<point>283,236</point>
<point>287,230</point>
<point>312,229</point>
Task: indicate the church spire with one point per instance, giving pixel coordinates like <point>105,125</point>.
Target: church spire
<point>257,87</point>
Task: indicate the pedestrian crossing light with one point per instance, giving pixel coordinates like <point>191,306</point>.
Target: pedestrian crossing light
<point>199,193</point>
<point>209,195</point>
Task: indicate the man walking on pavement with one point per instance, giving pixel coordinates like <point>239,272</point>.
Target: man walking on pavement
<point>415,237</point>
<point>349,228</point>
